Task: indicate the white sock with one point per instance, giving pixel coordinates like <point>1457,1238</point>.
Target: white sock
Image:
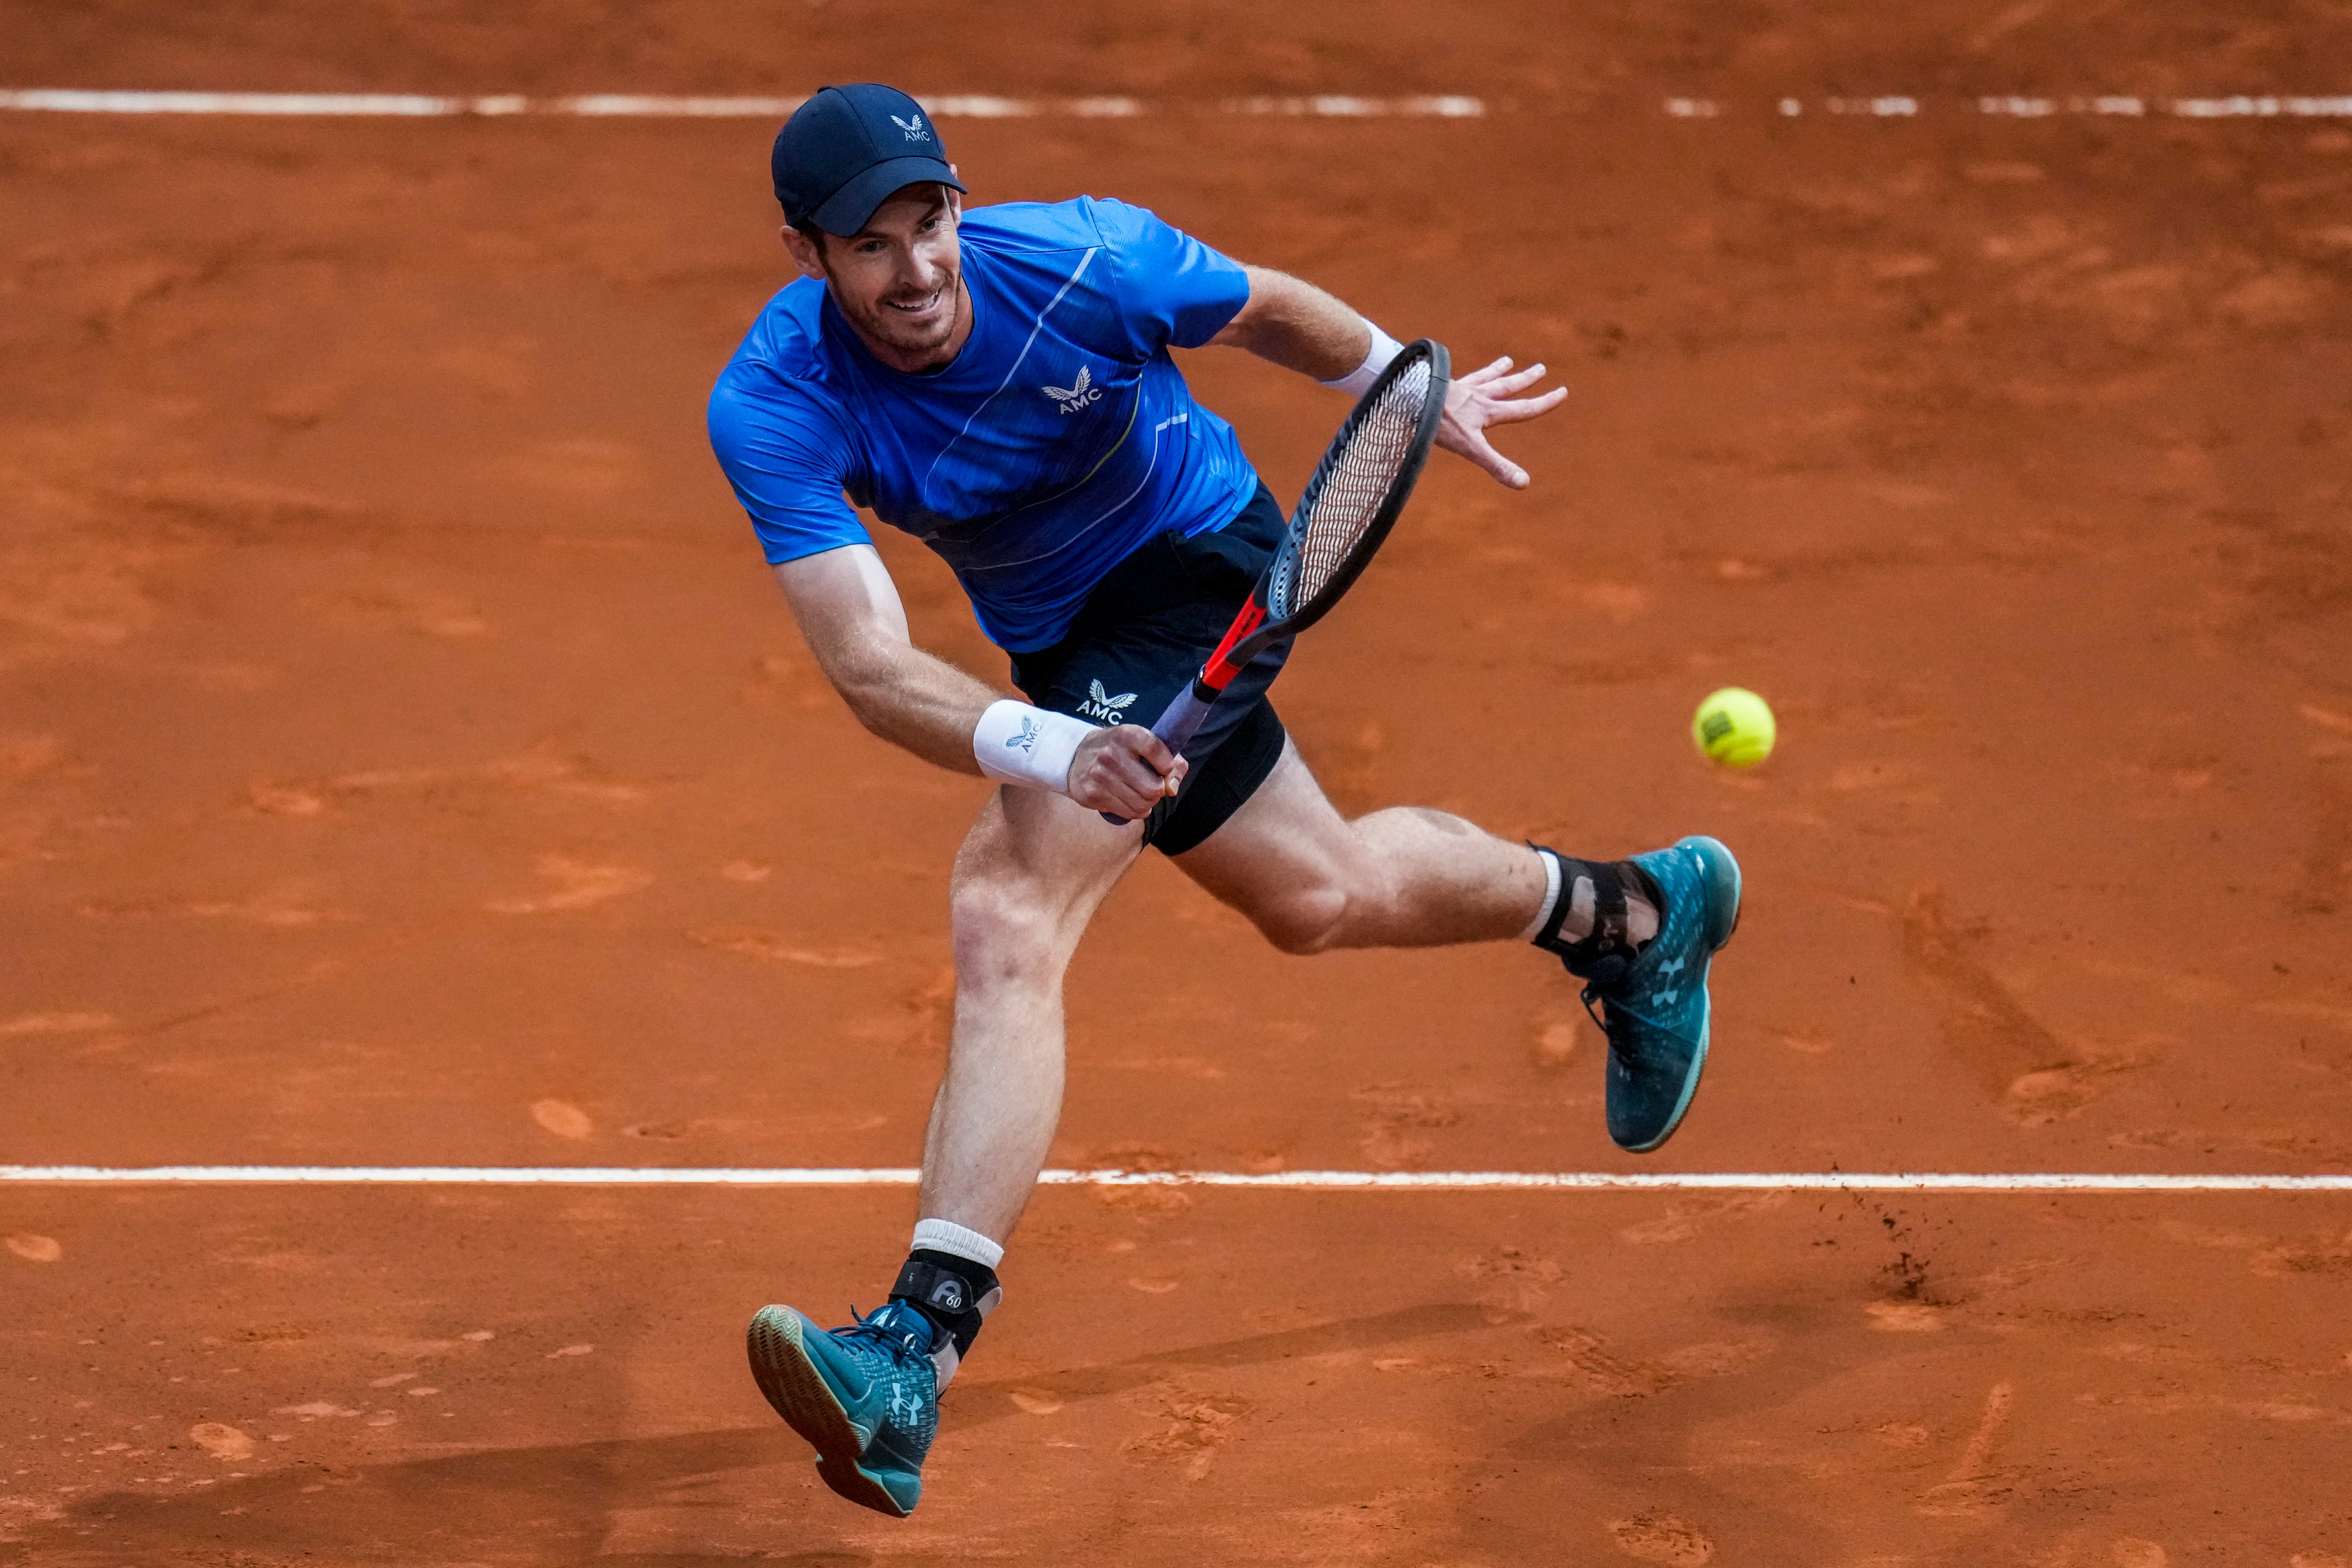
<point>1552,896</point>
<point>946,1236</point>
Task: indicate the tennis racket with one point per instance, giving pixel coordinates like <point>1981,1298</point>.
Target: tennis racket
<point>1350,504</point>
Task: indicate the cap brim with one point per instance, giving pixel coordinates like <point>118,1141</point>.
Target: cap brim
<point>847,209</point>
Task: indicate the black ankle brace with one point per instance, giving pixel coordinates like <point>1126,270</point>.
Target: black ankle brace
<point>955,1293</point>
<point>1605,951</point>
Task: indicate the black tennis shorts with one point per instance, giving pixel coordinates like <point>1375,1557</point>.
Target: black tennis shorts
<point>1142,634</point>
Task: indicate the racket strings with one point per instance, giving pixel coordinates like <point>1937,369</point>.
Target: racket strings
<point>1356,484</point>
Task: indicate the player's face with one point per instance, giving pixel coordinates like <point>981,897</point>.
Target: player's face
<point>899,279</point>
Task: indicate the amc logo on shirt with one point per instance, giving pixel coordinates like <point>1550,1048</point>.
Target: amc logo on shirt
<point>1077,395</point>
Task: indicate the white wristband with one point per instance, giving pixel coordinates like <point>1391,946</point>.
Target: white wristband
<point>1018,744</point>
<point>1356,382</point>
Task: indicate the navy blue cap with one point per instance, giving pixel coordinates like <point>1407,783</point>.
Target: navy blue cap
<point>844,151</point>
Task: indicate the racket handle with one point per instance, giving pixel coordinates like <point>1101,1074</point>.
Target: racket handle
<point>1177,726</point>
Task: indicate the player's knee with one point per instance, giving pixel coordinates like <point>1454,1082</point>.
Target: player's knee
<point>1002,931</point>
<point>1304,920</point>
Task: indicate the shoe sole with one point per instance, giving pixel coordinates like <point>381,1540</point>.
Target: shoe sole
<point>798,1392</point>
<point>1722,868</point>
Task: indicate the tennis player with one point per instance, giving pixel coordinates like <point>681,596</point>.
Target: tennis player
<point>997,383</point>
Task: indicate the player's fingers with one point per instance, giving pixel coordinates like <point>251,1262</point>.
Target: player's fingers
<point>1121,784</point>
<point>1473,379</point>
<point>1518,381</point>
<point>1526,407</point>
<point>1146,746</point>
<point>1505,472</point>
<point>1147,766</point>
<point>1107,774</point>
<point>1159,788</point>
<point>1465,439</point>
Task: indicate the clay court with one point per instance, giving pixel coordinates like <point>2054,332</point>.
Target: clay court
<point>407,761</point>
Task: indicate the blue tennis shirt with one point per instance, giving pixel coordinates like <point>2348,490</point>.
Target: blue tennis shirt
<point>1061,437</point>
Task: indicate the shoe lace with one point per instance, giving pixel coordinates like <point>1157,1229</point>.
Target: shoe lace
<point>1593,993</point>
<point>871,1328</point>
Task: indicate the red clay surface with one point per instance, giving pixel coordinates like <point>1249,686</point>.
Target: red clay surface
<point>407,761</point>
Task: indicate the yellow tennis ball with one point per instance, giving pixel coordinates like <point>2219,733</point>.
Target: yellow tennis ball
<point>1734,727</point>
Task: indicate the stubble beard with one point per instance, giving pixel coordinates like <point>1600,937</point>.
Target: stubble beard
<point>914,339</point>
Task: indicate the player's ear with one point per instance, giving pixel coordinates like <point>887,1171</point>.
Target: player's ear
<point>804,251</point>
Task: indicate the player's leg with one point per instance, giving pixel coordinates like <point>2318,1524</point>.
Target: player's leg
<point>1642,932</point>
<point>1407,877</point>
<point>1030,875</point>
<point>1029,878</point>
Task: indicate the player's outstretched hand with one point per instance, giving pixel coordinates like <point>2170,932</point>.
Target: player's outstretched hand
<point>1489,395</point>
<point>1125,769</point>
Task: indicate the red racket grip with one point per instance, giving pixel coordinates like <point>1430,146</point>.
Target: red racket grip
<point>1176,728</point>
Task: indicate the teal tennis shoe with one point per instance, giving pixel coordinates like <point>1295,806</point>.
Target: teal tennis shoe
<point>867,1398</point>
<point>1655,1009</point>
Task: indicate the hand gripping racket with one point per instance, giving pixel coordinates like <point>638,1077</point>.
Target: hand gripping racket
<point>1350,506</point>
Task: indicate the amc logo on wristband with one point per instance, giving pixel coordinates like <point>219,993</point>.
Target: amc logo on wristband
<point>1017,744</point>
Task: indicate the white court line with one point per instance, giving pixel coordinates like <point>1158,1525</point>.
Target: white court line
<point>1903,106</point>
<point>986,106</point>
<point>958,105</point>
<point>1385,1181</point>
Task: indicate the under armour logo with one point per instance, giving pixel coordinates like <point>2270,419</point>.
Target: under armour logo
<point>905,1408</point>
<point>1077,395</point>
<point>1027,739</point>
<point>1102,705</point>
<point>913,128</point>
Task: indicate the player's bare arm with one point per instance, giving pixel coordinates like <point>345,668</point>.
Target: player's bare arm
<point>1294,324</point>
<point>850,613</point>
